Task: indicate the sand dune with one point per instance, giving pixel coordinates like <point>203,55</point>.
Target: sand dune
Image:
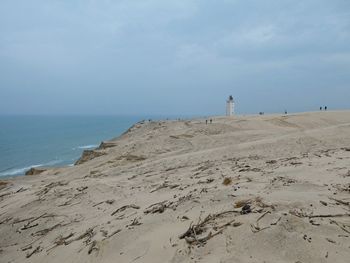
<point>243,189</point>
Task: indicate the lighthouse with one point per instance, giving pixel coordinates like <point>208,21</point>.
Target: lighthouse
<point>230,106</point>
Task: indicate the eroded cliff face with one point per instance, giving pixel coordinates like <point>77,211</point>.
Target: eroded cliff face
<point>89,155</point>
<point>35,171</point>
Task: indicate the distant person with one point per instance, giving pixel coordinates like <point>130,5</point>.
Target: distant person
<point>211,121</point>
<point>206,121</point>
<point>325,107</point>
<point>320,108</point>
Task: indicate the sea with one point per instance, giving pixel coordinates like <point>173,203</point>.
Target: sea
<point>35,141</point>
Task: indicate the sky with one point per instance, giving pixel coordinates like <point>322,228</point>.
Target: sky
<point>181,57</point>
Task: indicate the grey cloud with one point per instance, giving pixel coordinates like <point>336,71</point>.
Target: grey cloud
<point>172,57</point>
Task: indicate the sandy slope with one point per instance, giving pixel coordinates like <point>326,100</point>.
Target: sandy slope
<point>286,197</point>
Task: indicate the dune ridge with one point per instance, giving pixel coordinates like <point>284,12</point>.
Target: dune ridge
<point>265,188</point>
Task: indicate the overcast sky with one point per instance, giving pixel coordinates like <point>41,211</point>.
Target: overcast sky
<point>173,57</point>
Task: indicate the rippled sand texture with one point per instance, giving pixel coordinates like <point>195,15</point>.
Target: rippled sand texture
<point>243,189</point>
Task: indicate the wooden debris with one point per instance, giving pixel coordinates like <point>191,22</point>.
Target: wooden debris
<point>5,220</point>
<point>157,207</point>
<point>208,181</point>
<point>36,250</point>
<point>26,247</point>
<point>112,234</point>
<point>82,188</point>
<point>183,218</point>
<point>191,234</point>
<point>330,240</point>
<point>276,222</point>
<point>48,187</point>
<point>340,201</point>
<point>341,226</point>
<point>165,185</point>
<point>135,222</point>
<point>256,228</point>
<point>27,226</point>
<point>5,194</point>
<point>87,235</point>
<point>43,232</point>
<point>323,203</point>
<point>203,240</point>
<point>104,232</point>
<point>328,215</point>
<point>312,222</point>
<point>69,201</point>
<point>93,246</point>
<point>60,241</point>
<point>111,201</point>
<point>121,209</point>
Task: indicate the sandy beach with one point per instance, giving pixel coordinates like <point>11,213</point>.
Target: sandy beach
<point>271,188</point>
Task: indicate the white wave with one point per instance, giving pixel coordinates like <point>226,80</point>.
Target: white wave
<point>22,170</point>
<point>86,147</point>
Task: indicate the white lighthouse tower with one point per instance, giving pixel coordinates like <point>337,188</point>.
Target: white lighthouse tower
<point>230,106</point>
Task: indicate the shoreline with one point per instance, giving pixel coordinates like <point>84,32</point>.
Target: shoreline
<point>14,173</point>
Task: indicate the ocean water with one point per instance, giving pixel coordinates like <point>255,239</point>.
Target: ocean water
<point>34,141</point>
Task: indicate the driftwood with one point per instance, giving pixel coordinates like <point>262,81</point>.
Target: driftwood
<point>112,234</point>
<point>275,223</point>
<point>328,215</point>
<point>43,232</point>
<point>115,232</point>
<point>27,226</point>
<point>121,209</point>
<point>32,219</point>
<point>82,188</point>
<point>69,201</point>
<point>340,201</point>
<point>191,234</point>
<point>26,247</point>
<point>88,234</point>
<point>60,241</point>
<point>5,220</point>
<point>160,207</point>
<point>106,201</point>
<point>135,222</point>
<point>165,185</point>
<point>5,194</point>
<point>36,250</point>
<point>323,202</point>
<point>156,208</point>
<point>203,240</point>
<point>256,228</point>
<point>17,220</point>
<point>341,226</point>
<point>48,187</point>
<point>93,246</point>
